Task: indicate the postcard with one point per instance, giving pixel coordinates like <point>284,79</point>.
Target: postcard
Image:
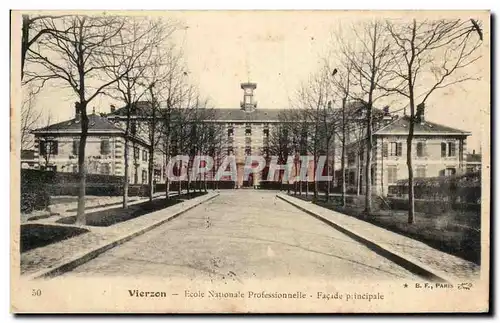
<point>250,161</point>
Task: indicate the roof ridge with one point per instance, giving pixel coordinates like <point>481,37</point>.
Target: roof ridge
<point>433,127</point>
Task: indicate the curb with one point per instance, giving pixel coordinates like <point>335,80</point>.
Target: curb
<point>89,255</point>
<point>383,250</point>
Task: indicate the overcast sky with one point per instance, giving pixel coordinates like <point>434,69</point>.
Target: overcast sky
<point>278,50</point>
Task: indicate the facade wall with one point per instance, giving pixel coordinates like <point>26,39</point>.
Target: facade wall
<point>138,156</point>
<point>386,170</point>
<point>66,159</point>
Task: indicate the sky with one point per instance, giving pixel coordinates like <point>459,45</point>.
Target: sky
<point>280,49</point>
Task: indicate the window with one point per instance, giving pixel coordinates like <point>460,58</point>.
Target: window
<point>385,149</point>
<point>266,132</point>
<point>76,146</point>
<point>248,140</point>
<point>392,174</point>
<point>420,149</point>
<point>448,149</point>
<point>105,169</point>
<point>396,149</point>
<point>450,171</point>
<point>248,131</point>
<point>420,171</point>
<point>230,151</point>
<point>48,147</point>
<point>451,149</point>
<point>248,151</point>
<point>230,132</point>
<point>136,152</point>
<point>144,155</point>
<point>105,150</point>
<point>144,176</point>
<point>352,176</point>
<point>351,158</point>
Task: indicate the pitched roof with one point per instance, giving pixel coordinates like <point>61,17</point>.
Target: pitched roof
<point>96,124</point>
<point>401,126</point>
<point>242,115</point>
<point>140,108</point>
<point>143,108</point>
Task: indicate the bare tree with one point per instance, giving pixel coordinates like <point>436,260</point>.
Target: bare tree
<point>174,92</point>
<point>342,81</point>
<point>131,62</point>
<point>313,100</point>
<point>280,143</point>
<point>76,55</point>
<point>369,56</point>
<point>441,48</point>
<point>29,118</point>
<point>33,28</point>
<point>47,147</point>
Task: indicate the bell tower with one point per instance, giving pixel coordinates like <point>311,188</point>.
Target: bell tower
<point>248,104</point>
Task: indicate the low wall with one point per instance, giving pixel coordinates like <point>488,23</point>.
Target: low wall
<point>432,206</point>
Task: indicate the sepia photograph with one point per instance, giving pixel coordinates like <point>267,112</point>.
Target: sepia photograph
<point>250,161</point>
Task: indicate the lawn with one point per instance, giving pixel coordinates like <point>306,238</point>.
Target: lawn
<point>39,235</point>
<point>112,216</point>
<point>456,232</point>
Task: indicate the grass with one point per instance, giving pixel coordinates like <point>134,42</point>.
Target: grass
<point>457,232</point>
<point>69,199</point>
<point>112,216</point>
<point>39,235</point>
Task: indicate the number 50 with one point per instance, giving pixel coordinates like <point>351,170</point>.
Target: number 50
<point>36,292</point>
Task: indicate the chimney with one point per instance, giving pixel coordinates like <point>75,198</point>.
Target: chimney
<point>387,115</point>
<point>77,111</point>
<point>420,116</point>
<point>113,108</point>
<point>473,151</point>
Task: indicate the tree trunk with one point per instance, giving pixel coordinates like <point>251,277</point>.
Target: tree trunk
<point>126,173</point>
<point>167,180</point>
<point>342,166</point>
<point>368,184</point>
<point>188,177</point>
<point>342,163</point>
<point>167,160</point>
<point>307,185</point>
<point>315,169</point>
<point>80,216</point>
<point>151,173</point>
<point>179,188</point>
<point>411,202</point>
<point>327,193</point>
<point>24,42</point>
<point>295,182</point>
<point>358,177</point>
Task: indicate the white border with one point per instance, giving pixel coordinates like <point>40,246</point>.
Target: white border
<point>185,4</point>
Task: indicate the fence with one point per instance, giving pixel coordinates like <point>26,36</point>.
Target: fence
<point>458,188</point>
<point>196,185</point>
<point>37,186</point>
<point>439,194</point>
